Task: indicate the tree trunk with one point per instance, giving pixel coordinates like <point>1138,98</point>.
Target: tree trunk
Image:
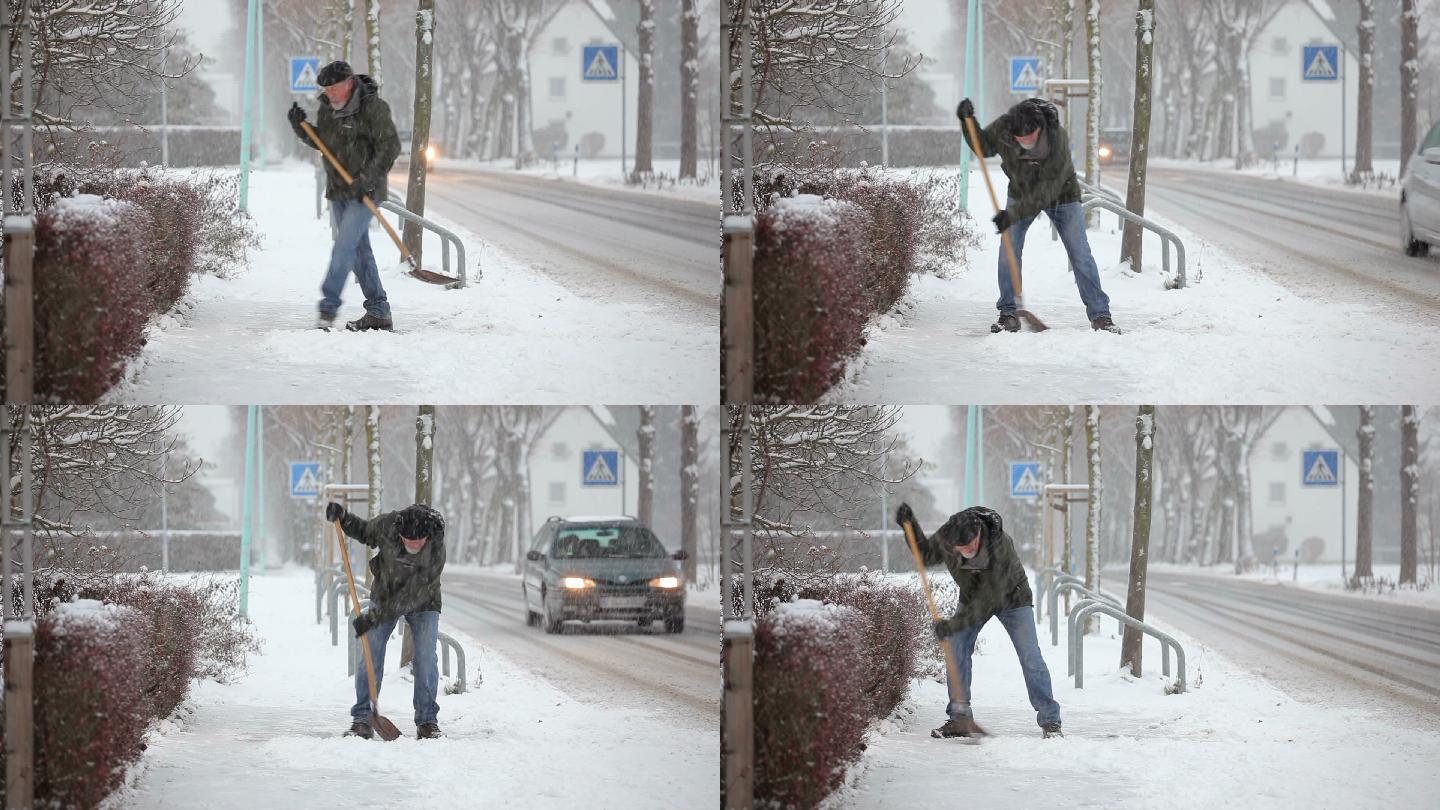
<point>1244,536</point>
<point>524,116</point>
<point>372,39</point>
<point>425,454</point>
<point>1409,84</point>
<point>420,134</point>
<point>344,11</point>
<point>645,499</point>
<point>1092,106</point>
<point>1092,512</point>
<point>1365,498</point>
<point>645,91</point>
<point>689,486</point>
<point>1131,645</point>
<point>1364,96</point>
<point>1132,241</point>
<point>689,88</point>
<point>1067,441</point>
<point>348,439</point>
<point>372,468</point>
<point>1067,38</point>
<point>1409,489</point>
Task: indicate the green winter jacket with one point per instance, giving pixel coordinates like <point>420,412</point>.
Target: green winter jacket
<point>401,582</point>
<point>362,136</point>
<point>991,581</point>
<point>1039,178</point>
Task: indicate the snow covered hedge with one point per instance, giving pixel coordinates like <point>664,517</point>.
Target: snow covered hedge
<point>898,625</point>
<point>811,295</point>
<point>811,710</point>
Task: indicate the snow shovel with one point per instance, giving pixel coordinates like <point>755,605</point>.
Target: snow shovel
<point>415,270</point>
<point>379,722</point>
<point>957,687</point>
<point>1035,324</point>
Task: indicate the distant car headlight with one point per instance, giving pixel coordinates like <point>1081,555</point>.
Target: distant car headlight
<point>577,583</point>
<point>430,155</point>
<point>669,583</point>
<point>1104,151</point>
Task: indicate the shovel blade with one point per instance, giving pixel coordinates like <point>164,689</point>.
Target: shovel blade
<point>432,277</point>
<point>384,727</point>
<point>1031,321</point>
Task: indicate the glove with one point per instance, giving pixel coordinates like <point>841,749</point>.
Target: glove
<point>296,114</point>
<point>1002,221</point>
<point>364,623</point>
<point>334,511</point>
<point>943,630</point>
<point>965,110</point>
<point>904,515</point>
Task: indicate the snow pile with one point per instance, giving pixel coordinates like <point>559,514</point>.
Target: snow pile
<point>810,615</point>
<point>91,613</point>
<point>90,208</point>
<point>809,209</point>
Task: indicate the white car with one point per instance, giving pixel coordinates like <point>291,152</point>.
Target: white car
<point>1420,197</point>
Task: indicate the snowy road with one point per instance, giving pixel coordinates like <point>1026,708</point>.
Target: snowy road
<point>1329,245</point>
<point>634,247</point>
<point>675,678</point>
<point>1329,650</point>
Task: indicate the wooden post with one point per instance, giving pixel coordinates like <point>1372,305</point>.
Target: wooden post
<point>19,309</point>
<point>19,714</point>
<point>739,715</point>
<point>739,253</point>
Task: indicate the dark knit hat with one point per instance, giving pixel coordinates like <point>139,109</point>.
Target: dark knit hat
<point>334,73</point>
<point>419,520</point>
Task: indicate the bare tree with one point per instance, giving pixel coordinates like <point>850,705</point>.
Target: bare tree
<point>1132,242</point>
<point>1092,106</point>
<point>689,486</point>
<point>1093,511</point>
<point>645,437</point>
<point>1409,83</point>
<point>645,91</point>
<point>1365,94</point>
<point>1409,490</point>
<point>1365,498</point>
<point>420,127</point>
<point>1132,646</point>
<point>372,39</point>
<point>689,89</point>
<point>425,454</point>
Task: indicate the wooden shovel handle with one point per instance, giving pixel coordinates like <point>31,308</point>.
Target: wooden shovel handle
<point>369,203</point>
<point>995,203</point>
<point>957,689</point>
<point>355,599</point>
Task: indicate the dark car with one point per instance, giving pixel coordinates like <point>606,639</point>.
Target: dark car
<point>1114,146</point>
<point>1420,197</point>
<point>601,568</point>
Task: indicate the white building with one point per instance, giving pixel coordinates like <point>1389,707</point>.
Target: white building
<point>556,476</point>
<point>1279,97</point>
<point>558,94</point>
<point>1281,505</point>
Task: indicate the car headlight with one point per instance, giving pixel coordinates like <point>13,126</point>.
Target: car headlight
<point>577,583</point>
<point>1104,151</point>
<point>665,582</point>
<point>430,155</point>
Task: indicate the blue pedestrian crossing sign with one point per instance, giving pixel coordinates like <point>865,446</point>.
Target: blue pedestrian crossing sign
<point>1024,74</point>
<point>1320,468</point>
<point>1025,479</point>
<point>600,63</point>
<point>1320,63</point>
<point>304,73</point>
<point>304,479</point>
<point>600,468</point>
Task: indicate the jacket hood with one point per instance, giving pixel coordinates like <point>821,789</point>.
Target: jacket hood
<point>365,85</point>
<point>1048,111</point>
<point>962,525</point>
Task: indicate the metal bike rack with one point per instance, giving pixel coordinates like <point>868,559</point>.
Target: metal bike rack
<point>1082,611</point>
<point>446,643</point>
<point>321,590</point>
<point>1042,585</point>
<point>1166,236</point>
<point>336,590</point>
<point>396,205</point>
<point>1069,582</point>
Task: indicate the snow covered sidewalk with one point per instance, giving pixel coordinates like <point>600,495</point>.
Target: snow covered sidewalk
<point>273,739</point>
<point>1231,336</point>
<point>1232,740</point>
<point>512,336</point>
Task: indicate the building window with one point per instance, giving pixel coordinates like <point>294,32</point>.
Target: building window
<point>1279,451</point>
<point>557,87</point>
<point>1279,46</point>
<point>1277,492</point>
<point>560,46</point>
<point>1277,87</point>
<point>559,451</point>
<point>557,492</point>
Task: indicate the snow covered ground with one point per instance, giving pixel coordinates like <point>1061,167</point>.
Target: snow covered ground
<point>513,336</point>
<point>609,173</point>
<point>513,740</point>
<point>1324,577</point>
<point>1232,336</point>
<point>1231,740</point>
<point>1326,172</point>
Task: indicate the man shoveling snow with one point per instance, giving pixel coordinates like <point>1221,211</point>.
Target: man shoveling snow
<point>405,582</point>
<point>1034,152</point>
<point>355,123</point>
<point>992,583</point>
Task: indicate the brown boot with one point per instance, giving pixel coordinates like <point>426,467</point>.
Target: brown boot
<point>960,726</point>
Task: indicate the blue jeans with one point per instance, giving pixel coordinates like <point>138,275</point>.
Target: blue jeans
<point>1020,624</point>
<point>1070,222</point>
<point>425,625</point>
<point>351,221</point>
